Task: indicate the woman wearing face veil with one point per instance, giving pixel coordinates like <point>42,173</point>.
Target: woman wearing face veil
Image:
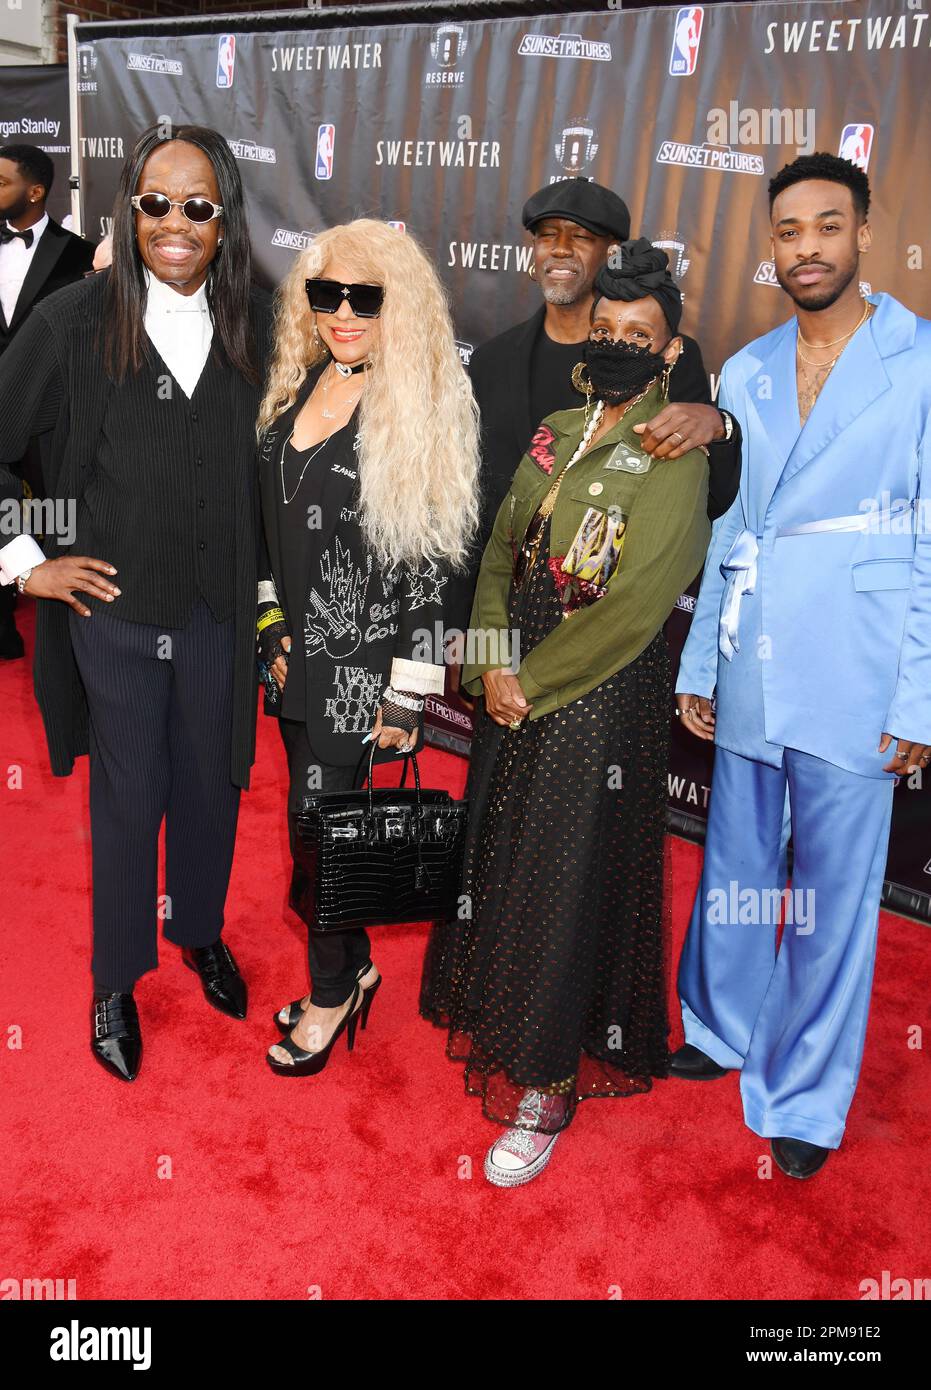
<point>552,988</point>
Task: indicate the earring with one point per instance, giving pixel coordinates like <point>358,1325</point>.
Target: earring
<point>667,373</point>
<point>532,272</point>
<point>583,383</point>
<point>579,380</point>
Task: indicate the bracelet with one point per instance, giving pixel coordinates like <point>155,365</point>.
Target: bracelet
<point>274,615</point>
<point>405,701</point>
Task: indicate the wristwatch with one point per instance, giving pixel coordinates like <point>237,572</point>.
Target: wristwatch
<point>22,580</point>
<point>728,424</point>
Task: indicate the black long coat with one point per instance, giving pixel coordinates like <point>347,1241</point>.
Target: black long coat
<point>52,378</point>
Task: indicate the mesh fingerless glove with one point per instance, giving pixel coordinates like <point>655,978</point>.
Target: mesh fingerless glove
<point>401,709</point>
<point>270,627</point>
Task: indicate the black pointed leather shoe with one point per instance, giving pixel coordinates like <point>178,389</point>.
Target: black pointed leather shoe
<point>224,987</point>
<point>690,1064</point>
<point>797,1158</point>
<point>116,1040</point>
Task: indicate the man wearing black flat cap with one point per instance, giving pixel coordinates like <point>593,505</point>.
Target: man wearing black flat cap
<point>525,373</point>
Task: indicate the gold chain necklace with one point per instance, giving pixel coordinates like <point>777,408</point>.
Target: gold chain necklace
<point>812,389</point>
<point>866,309</point>
<point>534,533</point>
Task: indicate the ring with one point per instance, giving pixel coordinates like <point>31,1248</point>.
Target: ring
<point>901,755</point>
<point>514,724</point>
<point>405,747</point>
<point>675,433</point>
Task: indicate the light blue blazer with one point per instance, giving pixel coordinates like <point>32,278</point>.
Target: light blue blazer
<point>818,637</point>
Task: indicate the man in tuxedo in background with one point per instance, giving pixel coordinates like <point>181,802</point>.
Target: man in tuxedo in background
<point>37,257</point>
<point>525,373</point>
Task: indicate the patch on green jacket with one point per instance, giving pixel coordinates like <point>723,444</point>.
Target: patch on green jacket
<point>628,460</point>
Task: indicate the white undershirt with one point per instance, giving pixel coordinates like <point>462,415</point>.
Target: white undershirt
<point>180,327</point>
<point>15,260</point>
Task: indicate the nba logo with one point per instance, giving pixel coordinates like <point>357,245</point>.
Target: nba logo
<point>226,60</point>
<point>856,144</point>
<point>326,135</point>
<point>686,37</point>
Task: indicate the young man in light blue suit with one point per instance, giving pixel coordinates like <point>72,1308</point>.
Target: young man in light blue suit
<point>813,629</point>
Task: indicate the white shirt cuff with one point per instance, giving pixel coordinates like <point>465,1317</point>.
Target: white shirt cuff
<point>417,676</point>
<point>17,556</point>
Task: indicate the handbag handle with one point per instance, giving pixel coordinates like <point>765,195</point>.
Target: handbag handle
<point>362,757</point>
<point>412,757</point>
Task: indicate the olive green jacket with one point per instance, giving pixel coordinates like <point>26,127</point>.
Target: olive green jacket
<point>665,542</point>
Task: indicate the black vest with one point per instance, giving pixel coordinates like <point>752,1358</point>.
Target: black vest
<point>160,504</point>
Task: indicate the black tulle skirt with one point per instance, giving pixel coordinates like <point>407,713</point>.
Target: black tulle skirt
<point>554,977</point>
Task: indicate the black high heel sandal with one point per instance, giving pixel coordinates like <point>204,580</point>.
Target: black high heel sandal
<point>309,1063</point>
<point>295,1011</point>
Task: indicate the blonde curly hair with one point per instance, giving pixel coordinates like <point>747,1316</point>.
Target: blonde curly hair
<point>419,423</point>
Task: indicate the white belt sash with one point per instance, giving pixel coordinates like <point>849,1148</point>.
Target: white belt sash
<point>739,563</point>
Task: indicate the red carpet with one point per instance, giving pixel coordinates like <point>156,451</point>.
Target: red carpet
<point>211,1178</point>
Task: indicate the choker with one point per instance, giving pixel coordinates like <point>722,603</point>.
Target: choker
<point>346,372</point>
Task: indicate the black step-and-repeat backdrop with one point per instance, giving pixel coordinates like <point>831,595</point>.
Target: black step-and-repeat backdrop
<point>446,127</point>
<point>34,111</point>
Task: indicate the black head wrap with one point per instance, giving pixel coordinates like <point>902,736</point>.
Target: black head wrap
<point>640,268</point>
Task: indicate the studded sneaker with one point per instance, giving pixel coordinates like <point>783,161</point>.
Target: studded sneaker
<point>524,1151</point>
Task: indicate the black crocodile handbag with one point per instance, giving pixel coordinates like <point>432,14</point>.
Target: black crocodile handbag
<point>380,855</point>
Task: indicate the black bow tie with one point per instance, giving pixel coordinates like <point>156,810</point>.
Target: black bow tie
<point>8,233</point>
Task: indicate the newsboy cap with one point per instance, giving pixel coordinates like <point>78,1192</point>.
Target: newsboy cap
<point>580,200</point>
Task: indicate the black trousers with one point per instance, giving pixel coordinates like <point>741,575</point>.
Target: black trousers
<point>335,959</point>
<point>160,703</point>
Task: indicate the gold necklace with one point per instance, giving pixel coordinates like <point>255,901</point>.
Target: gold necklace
<point>813,388</point>
<point>812,363</point>
<point>866,309</point>
<point>812,391</point>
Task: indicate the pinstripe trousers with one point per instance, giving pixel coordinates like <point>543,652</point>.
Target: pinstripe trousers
<point>160,705</point>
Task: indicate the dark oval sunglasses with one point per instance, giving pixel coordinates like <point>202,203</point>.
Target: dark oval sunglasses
<point>158,205</point>
<point>326,296</point>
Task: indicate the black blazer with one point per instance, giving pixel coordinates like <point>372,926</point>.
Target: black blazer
<point>52,378</point>
<point>367,635</point>
<point>60,259</point>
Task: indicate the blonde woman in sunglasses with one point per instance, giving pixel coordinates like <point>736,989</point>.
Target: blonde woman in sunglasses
<point>369,458</point>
